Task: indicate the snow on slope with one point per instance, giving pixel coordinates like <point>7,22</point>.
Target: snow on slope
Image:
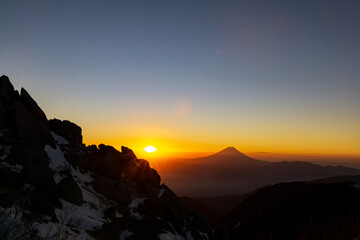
<point>90,215</point>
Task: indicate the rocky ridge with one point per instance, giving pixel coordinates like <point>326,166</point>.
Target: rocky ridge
<point>52,186</point>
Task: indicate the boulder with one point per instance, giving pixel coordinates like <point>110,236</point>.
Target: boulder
<point>70,131</point>
<point>70,191</point>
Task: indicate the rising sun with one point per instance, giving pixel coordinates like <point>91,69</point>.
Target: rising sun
<point>150,149</point>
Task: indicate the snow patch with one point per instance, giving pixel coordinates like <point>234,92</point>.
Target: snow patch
<point>118,214</point>
<point>125,234</point>
<point>59,139</point>
<point>160,193</point>
<point>170,236</point>
<point>57,158</point>
<point>204,235</point>
<point>136,202</point>
<point>15,168</point>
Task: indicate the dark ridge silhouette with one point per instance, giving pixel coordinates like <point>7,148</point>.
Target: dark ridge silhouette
<point>296,210</point>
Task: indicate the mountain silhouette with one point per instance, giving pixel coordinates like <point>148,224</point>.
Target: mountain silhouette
<point>231,172</point>
<point>229,155</point>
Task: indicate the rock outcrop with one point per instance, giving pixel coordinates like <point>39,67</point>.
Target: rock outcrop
<point>57,186</point>
<point>67,129</point>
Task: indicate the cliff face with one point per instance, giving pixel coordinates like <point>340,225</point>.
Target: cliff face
<point>52,186</point>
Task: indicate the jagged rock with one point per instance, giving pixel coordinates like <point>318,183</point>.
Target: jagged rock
<point>139,170</point>
<point>176,209</point>
<point>31,129</point>
<point>31,105</point>
<point>128,152</point>
<point>7,96</point>
<point>70,191</point>
<point>7,91</point>
<point>10,179</point>
<point>66,129</point>
<point>111,162</point>
<point>25,120</point>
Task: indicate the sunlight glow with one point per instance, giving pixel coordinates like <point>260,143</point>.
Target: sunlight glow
<point>150,149</point>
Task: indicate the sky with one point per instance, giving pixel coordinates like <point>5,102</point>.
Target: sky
<point>192,76</point>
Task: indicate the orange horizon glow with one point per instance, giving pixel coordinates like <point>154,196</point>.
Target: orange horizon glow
<point>187,150</point>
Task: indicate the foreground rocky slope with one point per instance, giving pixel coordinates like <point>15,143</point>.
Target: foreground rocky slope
<point>52,186</point>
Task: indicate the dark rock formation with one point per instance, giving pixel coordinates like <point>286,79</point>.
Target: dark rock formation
<point>66,129</point>
<point>7,91</point>
<point>70,191</point>
<point>31,105</point>
<point>22,117</point>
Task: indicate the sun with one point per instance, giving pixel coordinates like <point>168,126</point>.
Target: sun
<point>150,149</point>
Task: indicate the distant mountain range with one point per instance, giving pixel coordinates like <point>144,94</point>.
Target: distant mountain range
<point>232,172</point>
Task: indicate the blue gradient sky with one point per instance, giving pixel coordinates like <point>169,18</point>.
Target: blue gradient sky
<point>276,76</point>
